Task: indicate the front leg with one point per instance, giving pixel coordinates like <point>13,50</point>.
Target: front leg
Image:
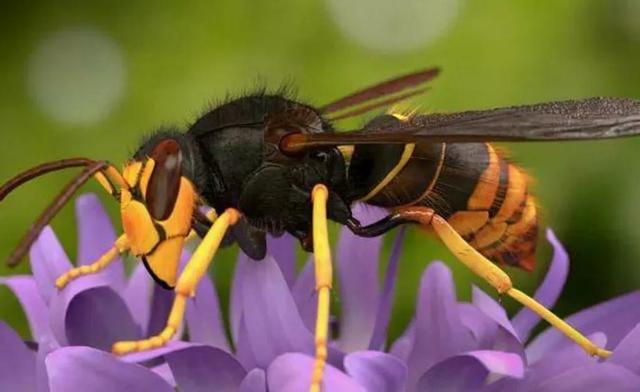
<point>185,288</point>
<point>120,246</point>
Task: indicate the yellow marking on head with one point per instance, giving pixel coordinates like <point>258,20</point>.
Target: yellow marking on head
<point>163,262</point>
<point>146,175</point>
<point>179,222</point>
<point>130,172</point>
<point>138,225</point>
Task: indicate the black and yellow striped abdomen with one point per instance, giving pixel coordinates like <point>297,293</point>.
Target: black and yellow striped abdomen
<point>480,193</point>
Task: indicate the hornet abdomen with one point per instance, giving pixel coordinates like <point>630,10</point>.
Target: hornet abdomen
<point>480,193</point>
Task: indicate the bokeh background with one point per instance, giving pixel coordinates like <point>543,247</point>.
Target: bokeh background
<point>90,78</point>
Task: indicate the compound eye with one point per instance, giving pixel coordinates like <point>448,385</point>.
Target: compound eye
<point>164,184</point>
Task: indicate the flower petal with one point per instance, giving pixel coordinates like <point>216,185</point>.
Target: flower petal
<point>403,346</point>
<point>203,317</point>
<point>627,352</point>
<point>26,290</point>
<point>161,302</point>
<point>137,295</point>
<point>593,377</point>
<point>367,213</point>
<point>357,264</point>
<point>17,362</point>
<point>547,294</point>
<point>376,371</point>
<point>85,311</point>
<point>48,261</point>
<point>283,250</point>
<point>615,318</point>
<point>561,361</point>
<point>96,236</point>
<point>205,368</point>
<point>305,296</point>
<point>255,381</point>
<point>505,337</point>
<point>482,327</point>
<point>236,304</point>
<point>383,314</point>
<point>469,371</point>
<point>46,346</point>
<point>83,368</point>
<point>149,355</point>
<point>439,332</point>
<point>164,371</point>
<point>291,372</point>
<point>270,315</point>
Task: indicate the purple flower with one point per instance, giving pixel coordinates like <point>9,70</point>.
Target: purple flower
<point>449,345</point>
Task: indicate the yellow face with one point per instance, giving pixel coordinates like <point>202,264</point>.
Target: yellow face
<point>156,213</point>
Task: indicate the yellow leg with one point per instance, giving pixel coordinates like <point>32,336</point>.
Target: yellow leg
<point>186,287</point>
<point>120,246</point>
<point>324,274</point>
<point>497,278</point>
<point>212,216</point>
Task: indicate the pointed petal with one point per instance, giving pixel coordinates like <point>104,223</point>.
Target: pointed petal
<point>376,371</point>
<point>46,346</point>
<point>403,346</point>
<point>304,294</point>
<point>357,262</point>
<point>283,250</point>
<point>627,352</point>
<point>469,371</point>
<point>255,381</point>
<point>48,261</point>
<point>26,290</point>
<point>548,292</point>
<point>82,368</point>
<point>137,296</point>
<point>164,371</point>
<point>272,320</point>
<point>205,368</point>
<point>561,361</point>
<point>291,372</point>
<point>506,338</point>
<point>614,318</point>
<point>481,326</point>
<point>147,356</point>
<point>383,314</point>
<point>439,332</point>
<point>161,302</point>
<point>84,313</point>
<point>203,317</point>
<point>593,378</point>
<point>236,306</point>
<point>368,214</point>
<point>17,362</point>
<point>96,236</point>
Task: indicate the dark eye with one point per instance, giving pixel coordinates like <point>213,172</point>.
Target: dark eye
<point>164,184</point>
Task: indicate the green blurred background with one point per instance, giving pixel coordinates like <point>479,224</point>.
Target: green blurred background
<point>89,79</point>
